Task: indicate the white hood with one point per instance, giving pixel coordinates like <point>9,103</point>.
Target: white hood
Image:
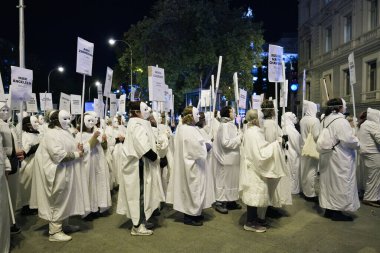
<point>310,108</point>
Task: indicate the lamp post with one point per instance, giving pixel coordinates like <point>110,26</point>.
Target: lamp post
<point>112,42</point>
<point>97,83</point>
<point>60,69</point>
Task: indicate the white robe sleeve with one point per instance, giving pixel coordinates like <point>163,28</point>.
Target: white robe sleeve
<point>140,140</point>
<point>194,148</point>
<point>344,134</point>
<point>55,149</point>
<point>228,142</point>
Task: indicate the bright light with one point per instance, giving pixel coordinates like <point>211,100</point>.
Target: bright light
<point>97,83</point>
<point>294,87</point>
<point>61,69</point>
<point>111,42</point>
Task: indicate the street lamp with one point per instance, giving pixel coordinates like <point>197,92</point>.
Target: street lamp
<point>97,83</point>
<point>112,42</point>
<point>60,69</point>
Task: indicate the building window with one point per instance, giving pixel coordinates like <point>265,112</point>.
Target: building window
<point>346,82</point>
<point>347,28</point>
<point>328,39</point>
<point>371,74</point>
<point>372,14</point>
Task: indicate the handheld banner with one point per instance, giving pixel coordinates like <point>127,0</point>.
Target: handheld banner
<point>31,104</point>
<point>113,104</point>
<point>205,98</point>
<point>46,101</point>
<point>156,83</point>
<point>76,107</point>
<point>217,81</point>
<point>351,66</point>
<point>85,52</point>
<point>64,102</point>
<point>122,102</point>
<point>108,83</point>
<point>21,82</point>
<point>256,101</point>
<point>275,72</point>
<point>242,99</point>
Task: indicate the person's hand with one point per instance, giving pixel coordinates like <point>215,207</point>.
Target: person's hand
<point>80,147</point>
<point>121,138</point>
<point>81,153</point>
<point>20,154</point>
<point>104,138</point>
<point>96,134</point>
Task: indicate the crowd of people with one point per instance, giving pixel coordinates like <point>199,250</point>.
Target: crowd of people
<point>52,169</point>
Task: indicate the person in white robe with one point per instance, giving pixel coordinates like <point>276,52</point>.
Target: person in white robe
<point>57,181</point>
<point>369,137</point>
<point>293,150</point>
<point>189,173</point>
<point>273,132</point>
<point>118,134</point>
<point>138,195</point>
<point>309,127</point>
<point>226,150</point>
<point>5,167</point>
<point>338,187</point>
<point>30,143</point>
<point>94,169</point>
<point>264,163</point>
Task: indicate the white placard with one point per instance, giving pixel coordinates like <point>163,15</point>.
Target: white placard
<point>256,101</point>
<point>99,107</point>
<point>13,104</point>
<point>242,99</point>
<point>108,83</point>
<point>236,87</point>
<point>1,85</point>
<point>64,102</point>
<point>76,104</point>
<point>85,52</point>
<point>46,101</point>
<point>31,104</point>
<point>21,82</point>
<point>113,104</point>
<point>168,99</point>
<point>205,98</point>
<point>275,72</point>
<point>351,66</point>
<point>284,94</point>
<point>122,101</point>
<point>156,82</point>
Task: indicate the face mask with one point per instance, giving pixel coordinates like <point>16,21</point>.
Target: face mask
<point>4,112</point>
<point>41,120</point>
<point>34,122</point>
<point>115,122</point>
<point>294,119</point>
<point>196,115</point>
<point>64,119</point>
<point>89,121</point>
<point>145,110</point>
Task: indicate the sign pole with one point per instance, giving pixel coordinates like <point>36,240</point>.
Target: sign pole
<point>81,118</point>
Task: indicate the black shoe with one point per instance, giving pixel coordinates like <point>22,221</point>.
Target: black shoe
<point>15,229</point>
<point>192,220</point>
<point>221,207</point>
<point>27,211</point>
<point>262,222</point>
<point>339,216</point>
<point>156,212</point>
<point>328,213</point>
<point>233,205</point>
<point>149,225</point>
<point>312,199</point>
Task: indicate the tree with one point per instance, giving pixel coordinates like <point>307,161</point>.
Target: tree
<point>186,37</point>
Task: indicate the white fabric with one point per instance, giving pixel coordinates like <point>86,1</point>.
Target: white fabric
<point>190,156</point>
<point>338,189</point>
<point>293,152</point>
<point>4,205</point>
<point>139,140</point>
<point>263,167</point>
<point>95,176</point>
<point>57,185</point>
<point>309,124</point>
<point>284,186</point>
<point>226,150</point>
<point>371,163</point>
<point>369,133</point>
<point>26,169</point>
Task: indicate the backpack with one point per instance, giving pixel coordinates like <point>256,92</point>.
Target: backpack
<point>326,142</point>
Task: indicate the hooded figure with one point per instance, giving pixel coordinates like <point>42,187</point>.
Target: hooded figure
<point>369,136</point>
<point>57,178</point>
<point>4,202</point>
<point>189,174</point>
<point>263,163</point>
<point>94,169</point>
<point>139,183</point>
<point>293,151</point>
<point>30,143</point>
<point>309,125</point>
<point>337,166</point>
<point>226,150</point>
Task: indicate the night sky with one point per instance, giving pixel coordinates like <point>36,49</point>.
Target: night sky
<point>52,28</point>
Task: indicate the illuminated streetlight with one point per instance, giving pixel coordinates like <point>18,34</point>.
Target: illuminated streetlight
<point>60,69</point>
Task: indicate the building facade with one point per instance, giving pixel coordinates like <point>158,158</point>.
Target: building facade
<point>328,31</point>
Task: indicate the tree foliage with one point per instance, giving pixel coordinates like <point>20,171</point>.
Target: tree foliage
<point>186,37</point>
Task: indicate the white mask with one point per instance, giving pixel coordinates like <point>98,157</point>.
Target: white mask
<point>64,119</point>
<point>196,115</point>
<point>294,119</point>
<point>115,122</point>
<point>145,110</point>
<point>4,112</point>
<point>34,122</point>
<point>41,119</point>
<point>89,121</point>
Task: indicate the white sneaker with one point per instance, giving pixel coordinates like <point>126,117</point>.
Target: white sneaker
<point>59,237</point>
<point>141,230</point>
<point>255,228</point>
